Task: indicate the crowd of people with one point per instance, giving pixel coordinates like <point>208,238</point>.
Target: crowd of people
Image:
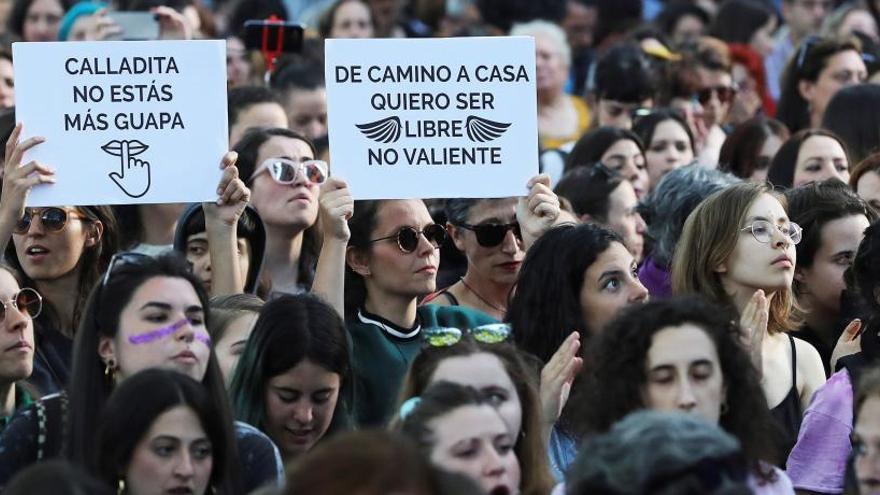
<point>687,300</point>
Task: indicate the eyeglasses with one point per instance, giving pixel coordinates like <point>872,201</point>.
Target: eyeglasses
<point>615,109</point>
<point>27,301</point>
<point>285,171</point>
<point>54,219</point>
<point>724,93</point>
<point>492,333</point>
<point>762,230</point>
<point>492,234</point>
<point>408,238</point>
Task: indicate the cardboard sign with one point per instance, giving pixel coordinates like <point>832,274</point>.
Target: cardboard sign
<point>433,118</point>
<point>124,121</point>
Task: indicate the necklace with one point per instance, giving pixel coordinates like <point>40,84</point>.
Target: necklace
<point>501,310</point>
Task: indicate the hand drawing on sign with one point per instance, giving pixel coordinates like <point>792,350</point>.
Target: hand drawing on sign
<point>482,130</point>
<point>385,131</point>
<point>134,174</point>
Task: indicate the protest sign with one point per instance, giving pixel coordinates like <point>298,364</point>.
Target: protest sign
<point>433,118</point>
<point>124,121</point>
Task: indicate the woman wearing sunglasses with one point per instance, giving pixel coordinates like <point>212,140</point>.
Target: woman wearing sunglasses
<point>60,251</point>
<point>20,307</point>
<point>280,168</point>
<point>738,249</point>
<point>482,358</point>
<point>487,232</point>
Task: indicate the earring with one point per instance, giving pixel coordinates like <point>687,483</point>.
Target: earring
<point>110,371</point>
<point>120,487</point>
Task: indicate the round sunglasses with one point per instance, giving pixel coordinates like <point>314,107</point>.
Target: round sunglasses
<point>492,234</point>
<point>54,219</point>
<point>27,301</point>
<point>285,171</point>
<point>408,237</point>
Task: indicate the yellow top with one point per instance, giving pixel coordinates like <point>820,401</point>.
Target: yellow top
<point>583,122</point>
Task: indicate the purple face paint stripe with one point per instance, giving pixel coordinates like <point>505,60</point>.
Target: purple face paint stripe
<point>158,333</point>
<point>203,338</point>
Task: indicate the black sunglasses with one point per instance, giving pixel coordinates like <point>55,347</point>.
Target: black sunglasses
<point>54,219</point>
<point>492,234</point>
<point>724,94</point>
<point>408,237</point>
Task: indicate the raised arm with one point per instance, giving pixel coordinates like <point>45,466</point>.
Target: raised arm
<point>539,211</point>
<point>221,225</point>
<point>337,206</point>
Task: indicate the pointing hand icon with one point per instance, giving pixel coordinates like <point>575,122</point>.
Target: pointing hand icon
<point>133,176</point>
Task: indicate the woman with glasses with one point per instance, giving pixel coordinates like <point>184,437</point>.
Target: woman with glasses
<point>484,359</point>
<point>20,307</point>
<point>738,250</point>
<point>294,373</point>
<point>487,232</point>
<point>620,150</point>
<point>668,141</point>
<point>811,155</point>
<point>60,251</point>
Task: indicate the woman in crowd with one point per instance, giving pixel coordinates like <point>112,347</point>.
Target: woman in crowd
<point>738,250</point>
<point>60,251</point>
<point>833,219</point>
<point>819,68</point>
<point>746,22</point>
<point>503,376</point>
<point>750,148</point>
<point>348,19</point>
<point>598,195</point>
<point>460,431</point>
<point>866,433</point>
<point>619,150</point>
<point>37,20</point>
<point>232,321</point>
<point>293,374</point>
<point>865,180</point>
<point>849,115</point>
<point>682,355</point>
<point>668,141</point>
<point>810,155</point>
<point>163,431</point>
<point>20,307</point>
<point>666,209</point>
<point>487,232</point>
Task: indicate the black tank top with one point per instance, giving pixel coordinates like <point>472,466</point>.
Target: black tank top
<point>788,413</point>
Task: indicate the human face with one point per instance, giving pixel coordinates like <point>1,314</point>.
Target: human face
<point>292,206</point>
<point>765,157</point>
<point>162,326</point>
<point>841,70</point>
<point>475,442</point>
<point>259,115</point>
<point>625,158</point>
<point>16,335</point>
<point>551,68</point>
<point>625,220</point>
<point>352,20</point>
<point>499,264</point>
<point>198,254</point>
<point>174,456</point>
<point>839,241</point>
<point>762,41</point>
<point>756,265</point>
<point>486,374</point>
<point>579,24</point>
<point>307,112</point>
<point>866,433</point>
<point>688,28</point>
<point>868,188</point>
<point>858,20</point>
<point>670,148</point>
<point>715,110</point>
<point>42,20</point>
<point>390,272</point>
<point>683,373</point>
<point>618,114</point>
<point>229,348</point>
<point>238,68</point>
<point>47,256</point>
<point>299,407</point>
<point>820,158</point>
<point>805,16</point>
<point>7,84</point>
<point>610,284</point>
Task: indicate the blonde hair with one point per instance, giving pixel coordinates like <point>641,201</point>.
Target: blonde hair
<point>708,239</point>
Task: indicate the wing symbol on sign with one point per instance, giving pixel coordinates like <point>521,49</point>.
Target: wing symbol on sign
<point>385,131</point>
<point>482,130</point>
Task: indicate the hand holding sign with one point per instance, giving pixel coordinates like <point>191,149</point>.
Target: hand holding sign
<point>134,174</point>
<point>537,212</point>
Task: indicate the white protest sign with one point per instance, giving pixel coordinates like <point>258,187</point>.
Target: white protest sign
<point>124,121</point>
<point>433,118</point>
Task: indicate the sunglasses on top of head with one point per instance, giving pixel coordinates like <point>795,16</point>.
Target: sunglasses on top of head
<point>285,171</point>
<point>408,237</point>
<point>53,219</point>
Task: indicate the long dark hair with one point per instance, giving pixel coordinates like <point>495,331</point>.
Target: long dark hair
<point>592,145</point>
<point>361,224</point>
<point>740,151</point>
<point>781,173</point>
<point>89,388</point>
<point>616,377</point>
<point>138,402</point>
<point>19,11</point>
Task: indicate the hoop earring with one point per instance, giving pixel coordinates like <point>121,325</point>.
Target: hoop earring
<point>120,487</point>
<point>110,372</point>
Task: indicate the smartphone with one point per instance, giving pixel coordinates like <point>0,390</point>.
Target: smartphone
<point>273,36</point>
<point>136,26</point>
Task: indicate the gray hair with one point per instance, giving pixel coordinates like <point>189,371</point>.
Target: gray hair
<point>548,29</point>
<point>658,452</point>
<point>670,203</point>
